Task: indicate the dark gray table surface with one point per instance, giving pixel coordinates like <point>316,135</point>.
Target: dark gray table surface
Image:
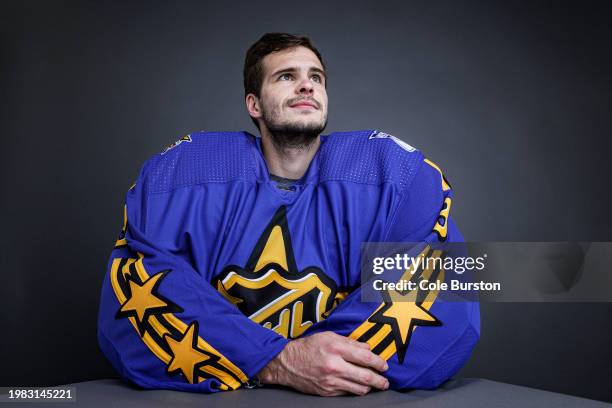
<point>458,393</point>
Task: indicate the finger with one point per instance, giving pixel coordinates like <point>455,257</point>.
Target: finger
<point>364,358</point>
<point>365,376</point>
<point>352,387</point>
<point>361,344</point>
<point>328,393</point>
<point>349,341</point>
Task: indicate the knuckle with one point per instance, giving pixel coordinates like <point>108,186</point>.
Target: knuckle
<point>330,368</point>
<point>331,348</point>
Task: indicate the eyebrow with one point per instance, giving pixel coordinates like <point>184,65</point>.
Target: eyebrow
<point>294,69</point>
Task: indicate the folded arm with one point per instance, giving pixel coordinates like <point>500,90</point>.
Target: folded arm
<point>423,339</point>
<point>162,325</point>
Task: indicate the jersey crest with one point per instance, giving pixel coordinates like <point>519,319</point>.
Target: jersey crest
<point>272,291</point>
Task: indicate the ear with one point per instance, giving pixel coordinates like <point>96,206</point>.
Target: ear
<point>252,105</point>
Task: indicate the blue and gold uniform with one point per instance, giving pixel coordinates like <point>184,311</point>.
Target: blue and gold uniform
<point>216,268</point>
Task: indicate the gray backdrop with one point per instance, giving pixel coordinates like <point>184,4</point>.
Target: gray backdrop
<point>510,100</point>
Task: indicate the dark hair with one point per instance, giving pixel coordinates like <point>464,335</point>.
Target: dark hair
<point>267,44</point>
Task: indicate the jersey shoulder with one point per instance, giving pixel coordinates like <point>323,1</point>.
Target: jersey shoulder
<point>369,157</point>
<point>202,157</point>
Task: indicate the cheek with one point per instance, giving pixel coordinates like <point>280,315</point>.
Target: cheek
<point>272,101</point>
<point>267,103</point>
<point>323,97</point>
<point>324,103</point>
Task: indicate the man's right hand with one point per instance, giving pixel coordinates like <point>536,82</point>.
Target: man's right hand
<point>327,364</point>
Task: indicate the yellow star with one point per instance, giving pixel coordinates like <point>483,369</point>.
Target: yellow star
<point>404,313</point>
<point>185,355</point>
<point>143,299</point>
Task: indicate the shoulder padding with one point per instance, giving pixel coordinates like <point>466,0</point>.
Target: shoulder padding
<point>369,157</point>
<point>203,157</point>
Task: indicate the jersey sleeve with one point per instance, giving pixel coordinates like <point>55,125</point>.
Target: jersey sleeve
<point>162,325</point>
<point>424,338</point>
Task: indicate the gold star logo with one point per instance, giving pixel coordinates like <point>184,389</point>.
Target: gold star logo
<point>271,290</point>
<point>187,358</point>
<point>403,313</point>
<point>145,301</point>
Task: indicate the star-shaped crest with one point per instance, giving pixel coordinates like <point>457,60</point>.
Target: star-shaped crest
<point>271,290</point>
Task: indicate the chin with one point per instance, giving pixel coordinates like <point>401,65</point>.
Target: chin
<point>308,125</point>
<point>308,121</point>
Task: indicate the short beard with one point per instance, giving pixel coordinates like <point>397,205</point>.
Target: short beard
<point>292,135</point>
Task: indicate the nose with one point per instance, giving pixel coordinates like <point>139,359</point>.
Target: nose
<point>305,87</point>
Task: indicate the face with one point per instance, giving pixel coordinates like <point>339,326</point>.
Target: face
<point>293,99</point>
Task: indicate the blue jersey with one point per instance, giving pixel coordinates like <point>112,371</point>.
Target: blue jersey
<point>217,268</point>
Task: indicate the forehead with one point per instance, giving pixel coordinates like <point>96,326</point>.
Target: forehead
<point>295,57</point>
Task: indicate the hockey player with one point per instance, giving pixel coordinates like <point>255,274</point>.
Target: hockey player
<point>239,256</point>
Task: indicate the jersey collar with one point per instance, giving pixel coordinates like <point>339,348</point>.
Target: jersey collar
<point>312,173</point>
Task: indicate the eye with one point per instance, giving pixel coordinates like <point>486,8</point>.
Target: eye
<point>285,77</point>
<point>317,78</point>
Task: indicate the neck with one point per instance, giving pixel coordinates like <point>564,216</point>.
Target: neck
<point>288,162</point>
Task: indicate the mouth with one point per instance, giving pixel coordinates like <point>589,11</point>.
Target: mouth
<point>304,105</point>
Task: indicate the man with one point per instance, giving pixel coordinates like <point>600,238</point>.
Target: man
<point>239,256</point>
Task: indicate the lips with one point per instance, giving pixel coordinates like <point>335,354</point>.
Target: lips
<point>304,104</point>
